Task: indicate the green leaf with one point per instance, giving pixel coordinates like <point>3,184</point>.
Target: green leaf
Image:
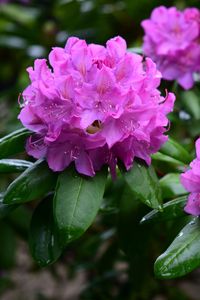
<point>6,209</point>
<point>172,209</point>
<point>191,101</point>
<point>175,150</point>
<point>32,184</point>
<point>13,143</point>
<point>8,246</point>
<point>18,13</point>
<point>183,254</point>
<point>20,219</point>
<point>43,238</point>
<point>168,159</point>
<point>171,186</point>
<point>76,202</point>
<point>14,165</point>
<point>135,50</point>
<point>144,184</point>
<point>135,240</point>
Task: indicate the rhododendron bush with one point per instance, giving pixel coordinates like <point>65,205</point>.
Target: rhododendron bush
<point>108,148</point>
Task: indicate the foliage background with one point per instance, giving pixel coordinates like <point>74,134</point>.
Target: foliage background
<point>94,267</point>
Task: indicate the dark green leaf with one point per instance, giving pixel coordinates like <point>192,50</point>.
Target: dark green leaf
<point>14,165</point>
<point>112,195</point>
<point>175,150</point>
<point>8,246</point>
<point>77,201</point>
<point>134,239</point>
<point>144,184</point>
<point>43,238</point>
<point>13,143</point>
<point>20,219</point>
<point>172,209</point>
<point>183,254</point>
<point>34,183</point>
<point>5,209</point>
<point>191,101</point>
<point>193,127</point>
<point>171,186</point>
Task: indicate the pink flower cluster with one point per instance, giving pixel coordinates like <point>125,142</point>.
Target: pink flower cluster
<point>172,40</point>
<point>191,181</point>
<point>94,105</point>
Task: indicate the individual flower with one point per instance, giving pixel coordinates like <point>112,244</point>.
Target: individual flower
<point>94,105</point>
<point>172,40</point>
<point>191,181</point>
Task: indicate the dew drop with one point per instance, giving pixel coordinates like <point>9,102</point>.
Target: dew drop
<point>193,221</point>
<point>180,234</point>
<point>143,220</point>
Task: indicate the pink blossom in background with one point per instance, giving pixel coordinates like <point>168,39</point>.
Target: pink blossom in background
<point>94,105</point>
<point>172,40</point>
<point>191,181</point>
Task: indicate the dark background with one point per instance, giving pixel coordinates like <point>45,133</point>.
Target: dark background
<point>94,267</point>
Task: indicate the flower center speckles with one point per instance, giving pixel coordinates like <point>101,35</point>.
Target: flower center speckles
<point>98,105</point>
<point>75,152</point>
<point>129,126</point>
<point>55,110</point>
<point>36,143</point>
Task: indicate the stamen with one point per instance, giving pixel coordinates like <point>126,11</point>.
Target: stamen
<point>94,127</point>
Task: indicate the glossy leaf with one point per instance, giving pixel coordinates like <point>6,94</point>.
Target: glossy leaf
<point>6,209</point>
<point>13,143</point>
<point>175,150</point>
<point>14,165</point>
<point>171,186</point>
<point>183,254</point>
<point>43,238</point>
<point>34,183</point>
<point>144,184</point>
<point>168,159</point>
<point>172,209</point>
<point>77,201</point>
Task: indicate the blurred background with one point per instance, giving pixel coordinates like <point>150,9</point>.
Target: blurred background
<point>102,265</point>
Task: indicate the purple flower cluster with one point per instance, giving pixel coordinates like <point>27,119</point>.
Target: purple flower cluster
<point>94,105</point>
<point>172,40</point>
<point>191,181</point>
